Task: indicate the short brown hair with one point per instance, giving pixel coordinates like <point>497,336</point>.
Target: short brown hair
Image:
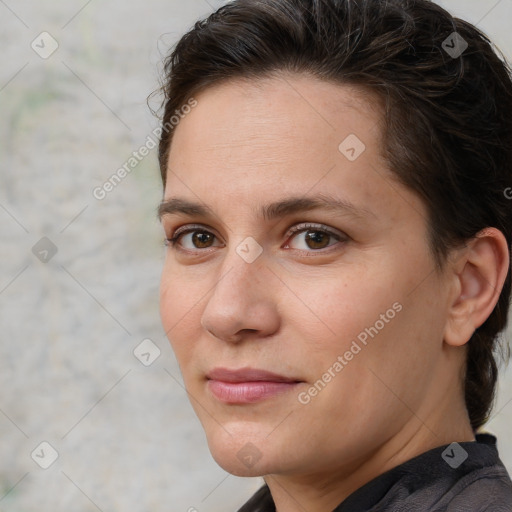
<point>447,119</point>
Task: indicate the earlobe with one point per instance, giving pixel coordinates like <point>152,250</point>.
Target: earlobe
<point>479,278</point>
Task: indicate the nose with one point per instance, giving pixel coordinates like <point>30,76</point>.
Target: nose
<point>242,303</point>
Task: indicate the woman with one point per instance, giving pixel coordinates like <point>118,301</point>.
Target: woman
<point>338,265</point>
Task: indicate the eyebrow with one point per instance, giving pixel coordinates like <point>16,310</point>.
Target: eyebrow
<point>278,209</point>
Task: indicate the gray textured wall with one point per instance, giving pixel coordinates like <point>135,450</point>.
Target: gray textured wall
<point>125,434</point>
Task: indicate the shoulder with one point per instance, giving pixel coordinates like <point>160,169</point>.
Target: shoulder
<point>488,489</point>
<point>435,482</point>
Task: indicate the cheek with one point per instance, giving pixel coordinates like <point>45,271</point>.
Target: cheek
<point>344,303</point>
<point>369,316</point>
<point>179,311</point>
<point>168,301</point>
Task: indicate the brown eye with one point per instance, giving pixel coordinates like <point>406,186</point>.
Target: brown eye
<point>317,239</point>
<point>312,238</point>
<point>191,239</point>
<point>202,239</point>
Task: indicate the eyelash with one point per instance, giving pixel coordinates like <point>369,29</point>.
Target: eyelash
<point>173,241</point>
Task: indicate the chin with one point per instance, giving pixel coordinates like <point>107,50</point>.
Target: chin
<point>242,452</point>
<point>232,465</point>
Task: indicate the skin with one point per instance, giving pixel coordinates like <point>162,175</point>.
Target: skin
<point>297,307</point>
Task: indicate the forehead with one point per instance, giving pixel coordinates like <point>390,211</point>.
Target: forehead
<point>249,143</point>
<point>283,123</point>
<point>276,113</point>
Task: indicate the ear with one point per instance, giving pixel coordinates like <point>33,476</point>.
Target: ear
<point>479,275</point>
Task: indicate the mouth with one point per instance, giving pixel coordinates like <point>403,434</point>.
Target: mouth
<point>247,385</point>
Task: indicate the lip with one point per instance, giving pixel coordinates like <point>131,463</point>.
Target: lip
<point>247,385</point>
<point>247,375</point>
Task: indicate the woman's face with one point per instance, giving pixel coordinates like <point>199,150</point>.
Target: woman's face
<point>341,304</point>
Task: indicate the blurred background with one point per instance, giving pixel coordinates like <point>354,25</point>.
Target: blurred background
<point>93,413</point>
